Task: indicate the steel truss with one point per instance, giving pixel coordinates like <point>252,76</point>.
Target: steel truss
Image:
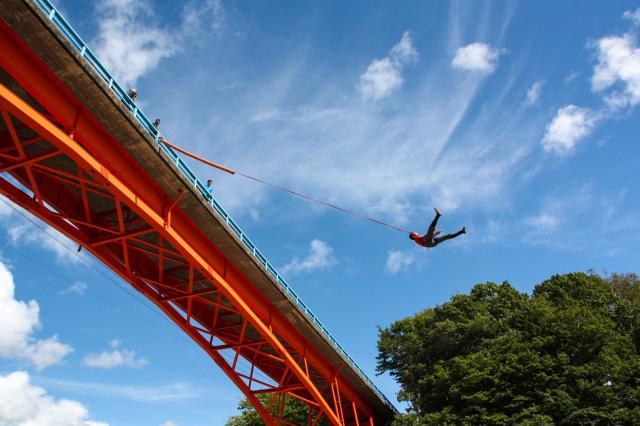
<point>70,173</point>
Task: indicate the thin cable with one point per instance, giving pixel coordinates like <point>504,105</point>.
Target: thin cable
<point>281,188</point>
<point>119,285</point>
<point>324,203</point>
<point>91,293</point>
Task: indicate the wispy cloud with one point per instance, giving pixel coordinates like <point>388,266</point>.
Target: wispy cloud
<point>570,218</point>
<point>477,57</point>
<point>23,232</point>
<point>319,257</point>
<point>178,391</point>
<point>571,76</point>
<point>570,125</point>
<point>633,16</point>
<point>131,41</point>
<point>398,261</point>
<point>615,218</point>
<point>117,357</point>
<point>533,94</point>
<point>77,287</point>
<point>18,322</point>
<point>554,225</point>
<point>5,210</point>
<point>384,76</point>
<point>388,159</point>
<point>207,18</point>
<point>305,114</point>
<point>26,404</point>
<point>494,230</point>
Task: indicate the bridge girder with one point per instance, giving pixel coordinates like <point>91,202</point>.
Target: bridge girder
<point>67,171</point>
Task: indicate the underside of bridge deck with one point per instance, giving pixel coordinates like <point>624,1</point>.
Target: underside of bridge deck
<point>60,164</point>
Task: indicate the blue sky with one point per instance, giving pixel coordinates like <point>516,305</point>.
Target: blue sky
<point>518,119</point>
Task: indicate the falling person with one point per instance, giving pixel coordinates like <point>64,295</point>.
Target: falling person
<point>431,238</point>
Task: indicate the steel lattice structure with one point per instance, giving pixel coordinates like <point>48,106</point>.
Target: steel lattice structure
<point>71,173</point>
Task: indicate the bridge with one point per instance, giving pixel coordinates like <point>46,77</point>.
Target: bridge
<point>78,153</point>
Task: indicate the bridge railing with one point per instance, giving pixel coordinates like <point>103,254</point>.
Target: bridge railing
<point>81,47</point>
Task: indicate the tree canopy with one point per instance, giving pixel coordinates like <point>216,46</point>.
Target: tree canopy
<point>569,354</point>
<point>294,412</point>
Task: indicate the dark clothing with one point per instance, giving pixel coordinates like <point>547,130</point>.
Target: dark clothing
<point>446,237</point>
<point>431,239</point>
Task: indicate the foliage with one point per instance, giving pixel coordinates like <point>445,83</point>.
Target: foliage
<point>248,416</point>
<point>295,412</point>
<point>569,354</point>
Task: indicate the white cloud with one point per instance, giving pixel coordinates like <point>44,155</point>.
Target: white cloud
<point>571,77</point>
<point>44,353</point>
<point>131,43</point>
<point>543,222</point>
<point>21,231</point>
<point>301,115</point>
<point>633,16</point>
<point>208,18</point>
<point>493,231</point>
<point>320,257</point>
<point>383,76</point>
<point>169,423</point>
<point>5,210</point>
<point>77,287</point>
<point>567,219</point>
<point>618,69</point>
<point>23,404</point>
<point>399,261</point>
<point>477,57</point>
<point>17,324</point>
<point>380,79</point>
<point>570,125</point>
<point>404,52</point>
<point>389,163</point>
<point>178,391</point>
<point>533,94</point>
<point>465,167</point>
<point>559,209</point>
<point>117,357</point>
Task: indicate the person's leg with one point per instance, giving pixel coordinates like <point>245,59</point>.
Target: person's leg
<point>432,227</point>
<point>450,236</point>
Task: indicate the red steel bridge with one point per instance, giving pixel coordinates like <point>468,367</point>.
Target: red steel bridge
<point>76,152</point>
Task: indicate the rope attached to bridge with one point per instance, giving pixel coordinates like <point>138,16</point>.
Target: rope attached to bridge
<point>281,188</point>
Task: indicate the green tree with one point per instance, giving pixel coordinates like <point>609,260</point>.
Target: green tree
<point>295,412</point>
<point>569,354</point>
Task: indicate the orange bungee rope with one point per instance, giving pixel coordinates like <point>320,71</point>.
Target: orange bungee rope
<point>281,188</point>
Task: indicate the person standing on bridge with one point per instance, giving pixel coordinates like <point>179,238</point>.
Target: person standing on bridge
<point>431,239</point>
<point>156,125</point>
<point>133,94</point>
<point>210,187</point>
